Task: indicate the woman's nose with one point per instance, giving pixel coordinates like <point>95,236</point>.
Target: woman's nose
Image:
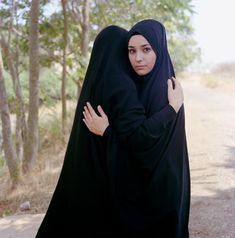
<point>138,57</point>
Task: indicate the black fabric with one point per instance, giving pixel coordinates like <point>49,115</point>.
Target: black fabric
<point>85,202</point>
<point>162,186</point>
<point>81,203</point>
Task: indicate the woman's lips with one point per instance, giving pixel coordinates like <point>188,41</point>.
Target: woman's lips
<point>140,67</point>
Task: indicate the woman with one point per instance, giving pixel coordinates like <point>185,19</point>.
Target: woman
<point>82,204</point>
<point>160,192</point>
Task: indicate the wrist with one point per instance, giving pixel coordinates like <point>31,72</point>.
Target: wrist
<point>174,107</point>
<point>103,130</point>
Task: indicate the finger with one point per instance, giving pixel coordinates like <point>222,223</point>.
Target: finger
<point>87,114</point>
<point>87,125</point>
<point>178,84</point>
<point>91,110</point>
<point>101,111</point>
<point>174,82</point>
<point>170,84</point>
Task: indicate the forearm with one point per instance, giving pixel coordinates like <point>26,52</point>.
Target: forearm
<point>150,130</point>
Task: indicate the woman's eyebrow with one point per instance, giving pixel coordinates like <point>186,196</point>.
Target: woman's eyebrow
<point>130,46</point>
<point>145,45</point>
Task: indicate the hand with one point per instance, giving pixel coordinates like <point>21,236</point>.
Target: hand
<point>175,95</point>
<point>96,124</point>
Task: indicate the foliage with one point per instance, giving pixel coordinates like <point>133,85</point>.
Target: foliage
<point>50,87</point>
<point>183,52</point>
<point>50,126</point>
<point>50,130</point>
<point>175,15</point>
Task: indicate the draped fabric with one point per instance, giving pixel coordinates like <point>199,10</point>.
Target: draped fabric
<point>105,182</point>
<point>161,206</point>
<point>82,204</point>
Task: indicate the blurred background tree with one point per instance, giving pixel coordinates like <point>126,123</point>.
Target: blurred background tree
<point>66,31</point>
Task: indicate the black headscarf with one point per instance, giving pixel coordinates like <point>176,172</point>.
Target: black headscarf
<point>163,203</point>
<point>153,86</point>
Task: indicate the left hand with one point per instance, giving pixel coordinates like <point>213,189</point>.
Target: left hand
<point>95,123</point>
<point>175,94</point>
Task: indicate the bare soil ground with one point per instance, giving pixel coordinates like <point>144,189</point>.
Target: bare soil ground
<point>210,124</point>
<point>211,137</point>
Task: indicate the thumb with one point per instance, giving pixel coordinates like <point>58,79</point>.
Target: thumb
<point>100,110</point>
<point>170,84</point>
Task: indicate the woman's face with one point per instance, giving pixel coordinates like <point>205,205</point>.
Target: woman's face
<point>141,55</point>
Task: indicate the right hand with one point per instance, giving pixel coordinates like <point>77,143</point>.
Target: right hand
<point>95,123</point>
<point>175,95</point>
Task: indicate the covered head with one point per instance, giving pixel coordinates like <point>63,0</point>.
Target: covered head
<point>108,55</point>
<point>152,87</point>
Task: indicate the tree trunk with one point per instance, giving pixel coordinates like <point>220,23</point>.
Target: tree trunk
<point>31,145</point>
<point>9,151</point>
<point>85,28</point>
<point>84,35</point>
<point>21,127</point>
<point>64,72</point>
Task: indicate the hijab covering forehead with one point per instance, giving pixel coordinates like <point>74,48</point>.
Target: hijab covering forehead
<point>153,86</point>
<point>154,32</point>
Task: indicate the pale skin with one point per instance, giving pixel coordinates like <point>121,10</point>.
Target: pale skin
<point>141,55</point>
<point>142,58</point>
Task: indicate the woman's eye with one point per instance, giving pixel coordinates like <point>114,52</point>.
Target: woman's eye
<point>147,49</point>
<point>131,51</point>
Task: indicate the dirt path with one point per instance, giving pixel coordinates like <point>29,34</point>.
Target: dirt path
<point>211,139</point>
<point>23,226</point>
<point>210,123</point>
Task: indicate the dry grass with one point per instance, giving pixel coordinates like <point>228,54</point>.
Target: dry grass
<point>221,78</point>
<point>38,187</point>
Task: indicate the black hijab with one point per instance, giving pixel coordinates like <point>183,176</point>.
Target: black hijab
<point>163,203</point>
<point>153,86</point>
